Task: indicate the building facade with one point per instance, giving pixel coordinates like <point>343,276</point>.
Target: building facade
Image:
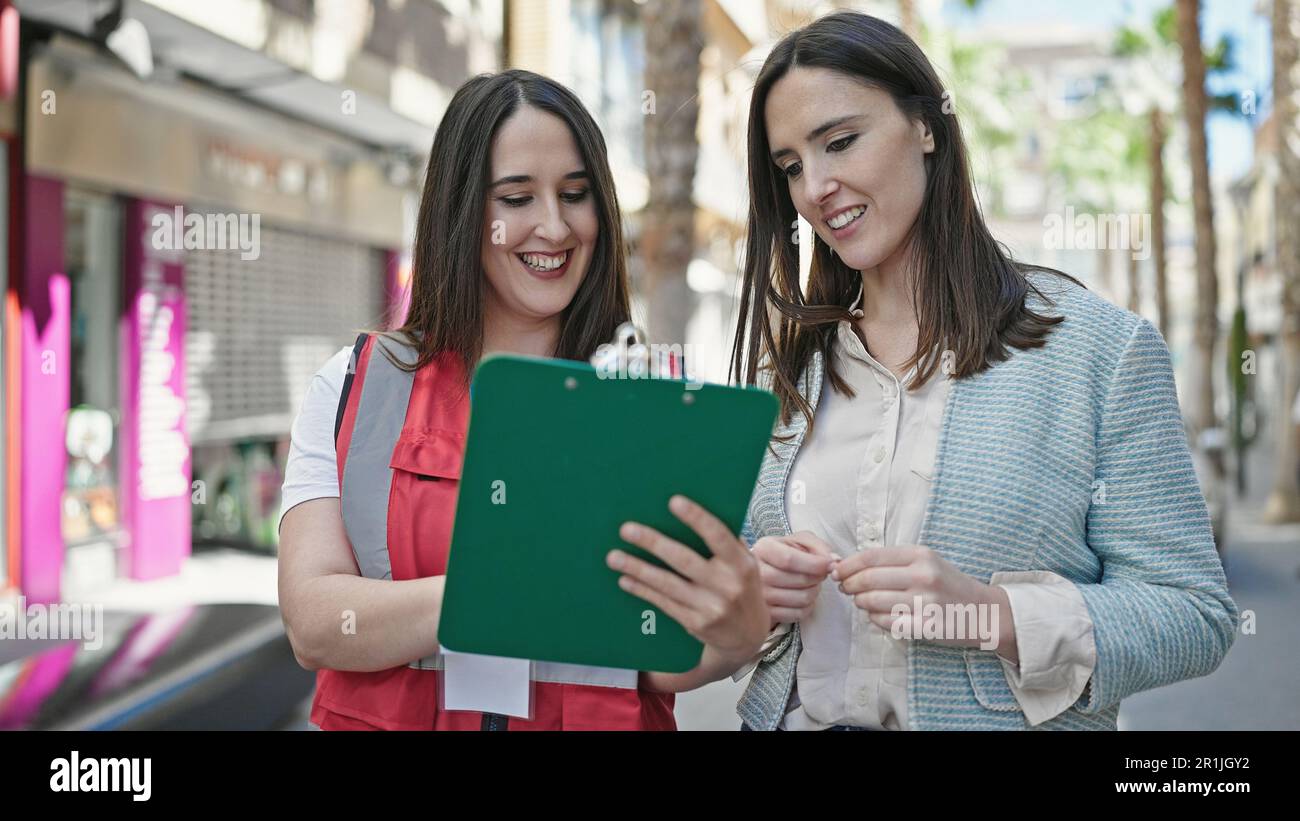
<point>194,235</point>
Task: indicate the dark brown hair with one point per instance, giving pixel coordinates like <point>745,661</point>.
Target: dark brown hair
<point>969,293</point>
<point>448,281</point>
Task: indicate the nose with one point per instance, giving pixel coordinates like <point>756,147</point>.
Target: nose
<point>818,184</point>
<point>552,228</point>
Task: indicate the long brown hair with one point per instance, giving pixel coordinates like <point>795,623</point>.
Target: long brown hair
<point>968,292</point>
<point>448,282</point>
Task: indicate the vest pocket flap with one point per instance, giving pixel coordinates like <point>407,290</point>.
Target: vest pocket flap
<point>432,454</point>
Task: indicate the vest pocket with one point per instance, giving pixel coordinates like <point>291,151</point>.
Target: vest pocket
<point>422,501</point>
<point>430,456</point>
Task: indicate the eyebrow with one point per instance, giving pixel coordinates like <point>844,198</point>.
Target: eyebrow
<point>580,174</point>
<point>815,133</point>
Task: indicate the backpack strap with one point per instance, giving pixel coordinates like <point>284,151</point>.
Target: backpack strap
<point>347,383</point>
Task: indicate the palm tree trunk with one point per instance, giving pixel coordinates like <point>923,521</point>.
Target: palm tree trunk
<point>1134,286</point>
<point>672,75</point>
<point>1206,329</point>
<point>907,18</point>
<point>1158,218</point>
<point>1106,270</point>
<point>1284,500</point>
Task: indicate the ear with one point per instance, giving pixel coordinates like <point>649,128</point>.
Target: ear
<point>926,135</point>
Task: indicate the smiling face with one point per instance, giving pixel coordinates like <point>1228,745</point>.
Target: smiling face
<point>539,223</point>
<point>854,163</point>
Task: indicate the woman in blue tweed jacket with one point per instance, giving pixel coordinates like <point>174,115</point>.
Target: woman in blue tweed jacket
<point>1051,481</point>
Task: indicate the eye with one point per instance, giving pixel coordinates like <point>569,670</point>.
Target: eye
<point>575,196</point>
<point>842,143</point>
<point>793,170</point>
<point>516,202</point>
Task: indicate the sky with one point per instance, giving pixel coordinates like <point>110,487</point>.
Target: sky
<point>1231,138</point>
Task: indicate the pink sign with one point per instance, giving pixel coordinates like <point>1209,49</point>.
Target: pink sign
<point>156,449</point>
<point>8,51</point>
<point>45,351</point>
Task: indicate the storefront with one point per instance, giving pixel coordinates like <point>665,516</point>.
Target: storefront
<point>191,261</point>
<point>8,543</point>
<point>9,315</point>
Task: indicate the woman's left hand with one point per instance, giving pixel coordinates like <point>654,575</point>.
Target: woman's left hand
<point>882,578</point>
<point>719,600</point>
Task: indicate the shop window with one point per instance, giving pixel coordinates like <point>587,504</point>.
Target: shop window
<point>93,258</point>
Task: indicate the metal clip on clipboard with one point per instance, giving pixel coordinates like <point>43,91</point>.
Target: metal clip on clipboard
<point>629,357</point>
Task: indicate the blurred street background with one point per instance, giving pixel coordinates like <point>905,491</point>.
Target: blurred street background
<point>1150,148</point>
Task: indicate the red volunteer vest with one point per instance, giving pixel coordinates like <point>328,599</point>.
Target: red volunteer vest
<point>400,438</point>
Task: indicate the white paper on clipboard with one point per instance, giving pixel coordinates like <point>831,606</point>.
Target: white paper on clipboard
<point>486,684</point>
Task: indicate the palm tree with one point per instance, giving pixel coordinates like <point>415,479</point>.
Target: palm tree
<point>907,18</point>
<point>1156,155</point>
<point>1100,161</point>
<point>1284,500</point>
<point>1195,103</point>
<point>986,91</point>
<point>1151,89</point>
<point>672,75</point>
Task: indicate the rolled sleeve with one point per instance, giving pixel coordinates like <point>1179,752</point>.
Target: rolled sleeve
<point>1054,637</point>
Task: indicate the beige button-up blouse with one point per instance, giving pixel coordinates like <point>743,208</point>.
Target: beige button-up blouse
<point>862,481</point>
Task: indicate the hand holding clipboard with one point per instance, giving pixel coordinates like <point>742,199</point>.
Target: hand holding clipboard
<point>557,460</point>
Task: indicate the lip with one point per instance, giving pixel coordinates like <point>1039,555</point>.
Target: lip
<point>844,231</point>
<point>554,274</point>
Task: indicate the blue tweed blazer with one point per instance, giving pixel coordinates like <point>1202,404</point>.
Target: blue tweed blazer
<point>1070,458</point>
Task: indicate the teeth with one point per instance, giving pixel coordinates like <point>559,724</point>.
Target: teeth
<point>545,262</point>
<point>841,220</point>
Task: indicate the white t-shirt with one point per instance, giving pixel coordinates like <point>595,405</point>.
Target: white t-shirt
<point>312,471</point>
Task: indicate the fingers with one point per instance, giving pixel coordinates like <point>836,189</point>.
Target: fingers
<point>670,551</point>
<point>791,581</point>
<point>882,601</point>
<point>718,599</point>
<point>888,623</point>
<point>812,542</point>
<point>781,556</point>
<point>675,610</point>
<point>878,578</point>
<point>875,557</point>
<point>719,538</point>
<point>797,599</point>
<point>790,605</point>
<point>658,579</point>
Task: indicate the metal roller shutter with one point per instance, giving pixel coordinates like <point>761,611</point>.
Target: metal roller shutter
<point>259,329</point>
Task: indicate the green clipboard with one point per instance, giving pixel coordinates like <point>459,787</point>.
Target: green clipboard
<point>557,458</point>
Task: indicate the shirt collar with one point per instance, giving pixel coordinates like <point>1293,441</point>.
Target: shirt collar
<point>856,308</point>
<point>848,339</point>
<point>850,345</point>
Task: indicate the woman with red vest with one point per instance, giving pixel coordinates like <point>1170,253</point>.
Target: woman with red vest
<point>518,249</point>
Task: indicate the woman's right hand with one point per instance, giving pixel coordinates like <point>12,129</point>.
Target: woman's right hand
<point>792,569</point>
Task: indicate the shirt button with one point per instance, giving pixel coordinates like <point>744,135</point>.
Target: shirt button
<point>878,455</point>
<point>872,531</point>
<point>863,697</point>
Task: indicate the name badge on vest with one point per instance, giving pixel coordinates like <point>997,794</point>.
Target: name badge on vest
<point>487,684</point>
